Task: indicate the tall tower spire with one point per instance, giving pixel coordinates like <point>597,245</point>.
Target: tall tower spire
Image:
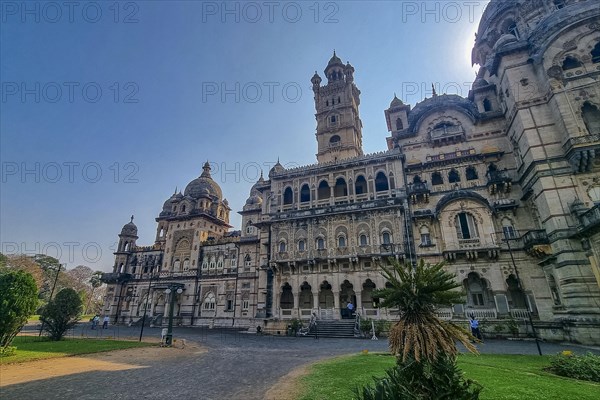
<point>339,128</point>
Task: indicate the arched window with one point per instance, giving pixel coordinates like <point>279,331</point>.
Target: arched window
<point>571,63</point>
<point>363,240</point>
<point>559,4</point>
<point>516,297</point>
<point>341,241</point>
<point>288,196</point>
<point>301,245</point>
<point>281,246</point>
<point>209,302</point>
<point>466,227</point>
<point>306,296</point>
<point>205,265</point>
<point>335,139</point>
<point>340,189</point>
<point>320,243</point>
<point>476,290</point>
<point>126,247</point>
<point>367,294</point>
<point>511,28</point>
<point>453,176</point>
<point>220,263</point>
<point>287,297</point>
<point>487,105</point>
<point>213,264</point>
<point>591,117</point>
<point>248,260</point>
<point>361,185</point>
<point>425,236</point>
<point>183,208</point>
<point>399,125</point>
<point>249,228</point>
<point>176,265</point>
<point>436,179</point>
<point>596,54</point>
<point>186,264</point>
<point>508,230</point>
<point>386,238</point>
<point>323,192</point>
<point>471,174</point>
<point>381,182</point>
<point>305,193</point>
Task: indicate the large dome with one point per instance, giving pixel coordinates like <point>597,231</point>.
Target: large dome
<point>203,186</point>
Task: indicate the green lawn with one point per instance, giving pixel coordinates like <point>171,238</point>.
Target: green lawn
<point>31,348</point>
<point>504,377</point>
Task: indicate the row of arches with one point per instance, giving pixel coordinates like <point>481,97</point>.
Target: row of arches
<point>572,61</point>
<point>320,243</point>
<point>339,189</point>
<point>454,175</point>
<point>325,297</point>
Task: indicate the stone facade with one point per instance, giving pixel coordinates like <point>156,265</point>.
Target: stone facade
<point>503,186</point>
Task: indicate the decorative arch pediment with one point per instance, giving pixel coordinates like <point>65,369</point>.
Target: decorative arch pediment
<point>460,194</point>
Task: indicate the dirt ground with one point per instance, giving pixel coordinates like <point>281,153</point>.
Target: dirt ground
<point>117,360</point>
<point>289,387</point>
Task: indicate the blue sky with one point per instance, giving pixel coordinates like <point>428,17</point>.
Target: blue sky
<point>106,107</point>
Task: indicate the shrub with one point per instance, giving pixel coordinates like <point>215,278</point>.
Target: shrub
<point>61,313</point>
<point>7,351</point>
<point>585,367</point>
<point>18,300</point>
<point>431,380</point>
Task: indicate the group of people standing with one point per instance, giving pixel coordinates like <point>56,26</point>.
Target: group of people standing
<point>96,320</point>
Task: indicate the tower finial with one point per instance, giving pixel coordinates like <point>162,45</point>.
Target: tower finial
<point>433,88</point>
<point>175,192</point>
<point>131,219</point>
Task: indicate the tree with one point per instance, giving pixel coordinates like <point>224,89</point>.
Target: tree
<point>22,263</point>
<point>96,282</point>
<point>61,313</point>
<point>423,344</point>
<point>18,300</point>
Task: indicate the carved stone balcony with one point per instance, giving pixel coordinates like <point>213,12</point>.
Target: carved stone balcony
<point>418,192</point>
<point>114,277</point>
<point>320,254</point>
<point>499,181</point>
<point>590,221</point>
<point>536,243</point>
<point>581,151</point>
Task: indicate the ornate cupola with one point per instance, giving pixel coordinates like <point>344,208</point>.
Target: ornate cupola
<point>339,128</point>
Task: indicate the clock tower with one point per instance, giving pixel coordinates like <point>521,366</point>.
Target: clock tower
<point>339,128</point>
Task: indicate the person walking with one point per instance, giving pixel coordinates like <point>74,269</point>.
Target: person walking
<point>95,321</point>
<point>350,308</point>
<point>475,328</point>
<point>105,322</point>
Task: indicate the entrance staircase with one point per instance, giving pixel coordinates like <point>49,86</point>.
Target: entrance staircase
<point>333,329</point>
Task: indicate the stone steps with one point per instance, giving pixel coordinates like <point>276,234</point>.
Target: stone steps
<point>333,329</point>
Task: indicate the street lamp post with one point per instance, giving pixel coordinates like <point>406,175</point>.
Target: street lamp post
<point>173,290</point>
<point>146,305</point>
<point>520,286</point>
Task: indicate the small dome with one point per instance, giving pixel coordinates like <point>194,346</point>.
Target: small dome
<point>129,229</point>
<point>316,79</point>
<point>505,39</point>
<point>335,60</point>
<point>488,149</point>
<point>396,102</point>
<point>203,186</point>
<point>480,82</point>
<point>277,168</point>
<point>254,200</point>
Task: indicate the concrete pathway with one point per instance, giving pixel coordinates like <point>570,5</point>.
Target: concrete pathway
<point>235,366</point>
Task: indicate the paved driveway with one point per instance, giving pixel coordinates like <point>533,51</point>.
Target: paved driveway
<point>236,366</point>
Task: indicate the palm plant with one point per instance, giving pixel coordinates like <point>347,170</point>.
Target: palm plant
<point>415,292</point>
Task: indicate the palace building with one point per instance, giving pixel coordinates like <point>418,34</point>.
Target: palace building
<point>503,185</point>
